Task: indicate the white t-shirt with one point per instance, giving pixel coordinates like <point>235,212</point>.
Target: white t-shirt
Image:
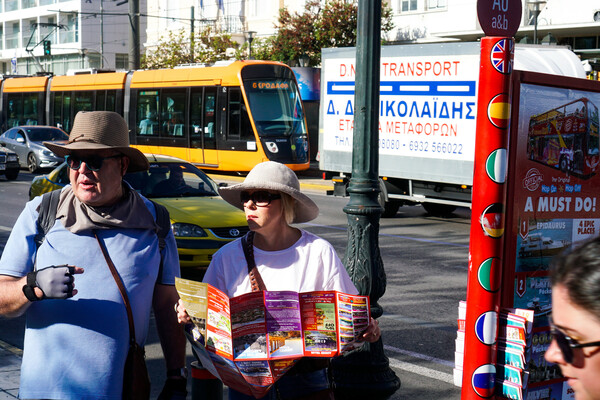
<point>310,264</point>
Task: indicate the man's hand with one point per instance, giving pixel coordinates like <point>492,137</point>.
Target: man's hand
<point>57,282</point>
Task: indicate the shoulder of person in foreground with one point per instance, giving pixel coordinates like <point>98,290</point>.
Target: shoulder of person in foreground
<point>222,259</point>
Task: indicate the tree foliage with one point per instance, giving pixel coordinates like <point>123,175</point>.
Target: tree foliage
<point>332,24</point>
<point>175,49</point>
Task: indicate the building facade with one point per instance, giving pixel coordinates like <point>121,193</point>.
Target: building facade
<point>236,17</point>
<point>574,23</point>
<point>95,33</point>
<point>81,34</point>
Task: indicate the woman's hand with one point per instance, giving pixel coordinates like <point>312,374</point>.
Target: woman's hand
<point>373,333</point>
<point>182,315</point>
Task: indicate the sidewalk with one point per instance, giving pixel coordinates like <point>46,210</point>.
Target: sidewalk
<point>10,371</point>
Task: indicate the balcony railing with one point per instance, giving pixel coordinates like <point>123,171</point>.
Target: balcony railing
<point>228,23</point>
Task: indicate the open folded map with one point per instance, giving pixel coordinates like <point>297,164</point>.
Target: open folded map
<point>250,341</point>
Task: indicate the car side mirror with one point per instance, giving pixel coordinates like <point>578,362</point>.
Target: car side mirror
<point>20,139</point>
<point>223,184</point>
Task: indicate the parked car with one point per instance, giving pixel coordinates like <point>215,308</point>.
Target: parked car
<point>26,141</point>
<point>9,164</point>
<point>201,220</point>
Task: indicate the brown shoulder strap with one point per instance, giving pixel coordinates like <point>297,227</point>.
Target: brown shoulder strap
<point>255,278</point>
<point>115,274</point>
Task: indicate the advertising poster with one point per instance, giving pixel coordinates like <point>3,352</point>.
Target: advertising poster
<point>554,163</point>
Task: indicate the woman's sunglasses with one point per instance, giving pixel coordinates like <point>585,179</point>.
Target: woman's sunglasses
<point>566,344</point>
<point>261,198</point>
<point>94,163</point>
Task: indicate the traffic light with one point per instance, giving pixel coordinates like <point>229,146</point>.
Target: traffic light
<point>47,49</point>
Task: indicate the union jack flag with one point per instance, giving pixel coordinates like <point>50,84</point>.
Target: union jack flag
<point>502,56</point>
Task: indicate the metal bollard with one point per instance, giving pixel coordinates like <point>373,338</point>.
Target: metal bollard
<point>204,384</point>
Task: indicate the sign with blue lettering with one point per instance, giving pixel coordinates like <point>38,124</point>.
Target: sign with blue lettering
<point>427,106</point>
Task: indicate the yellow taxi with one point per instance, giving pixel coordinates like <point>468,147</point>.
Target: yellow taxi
<point>202,221</point>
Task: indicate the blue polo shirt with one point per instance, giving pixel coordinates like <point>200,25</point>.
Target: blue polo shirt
<point>76,348</point>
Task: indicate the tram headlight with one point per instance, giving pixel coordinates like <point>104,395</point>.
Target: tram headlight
<point>188,230</point>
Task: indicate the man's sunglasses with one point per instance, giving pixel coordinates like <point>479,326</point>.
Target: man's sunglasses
<point>566,344</point>
<point>261,199</point>
<point>94,163</point>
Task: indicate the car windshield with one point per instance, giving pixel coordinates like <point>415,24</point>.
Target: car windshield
<point>172,179</point>
<point>46,134</point>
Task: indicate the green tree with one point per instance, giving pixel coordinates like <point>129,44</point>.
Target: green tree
<point>332,24</point>
<point>175,49</point>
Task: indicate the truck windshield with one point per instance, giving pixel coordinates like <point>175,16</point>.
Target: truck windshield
<point>276,106</point>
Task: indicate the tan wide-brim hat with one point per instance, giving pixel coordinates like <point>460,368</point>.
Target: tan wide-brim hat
<point>271,175</point>
<point>99,130</point>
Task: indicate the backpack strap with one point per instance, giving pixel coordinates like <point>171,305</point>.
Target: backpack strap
<point>47,215</point>
<point>163,220</point>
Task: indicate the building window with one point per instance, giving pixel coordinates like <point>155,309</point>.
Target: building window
<point>11,5</point>
<point>48,30</point>
<point>12,37</point>
<point>586,42</point>
<point>436,4</point>
<point>46,2</point>
<point>70,35</point>
<point>28,3</point>
<point>253,8</point>
<point>408,5</point>
<point>121,61</point>
<point>28,29</point>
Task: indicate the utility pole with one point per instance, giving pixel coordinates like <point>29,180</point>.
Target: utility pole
<point>192,36</point>
<point>101,34</point>
<point>134,34</point>
<point>365,373</point>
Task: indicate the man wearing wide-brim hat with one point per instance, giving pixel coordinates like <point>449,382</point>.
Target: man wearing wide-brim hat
<point>77,334</point>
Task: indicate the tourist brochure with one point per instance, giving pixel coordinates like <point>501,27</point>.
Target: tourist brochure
<point>250,341</point>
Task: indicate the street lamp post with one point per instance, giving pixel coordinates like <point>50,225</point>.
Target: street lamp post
<point>250,38</point>
<point>365,372</point>
<point>534,5</point>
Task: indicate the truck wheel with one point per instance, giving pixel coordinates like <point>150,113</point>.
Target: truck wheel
<point>12,174</point>
<point>390,208</point>
<point>439,210</point>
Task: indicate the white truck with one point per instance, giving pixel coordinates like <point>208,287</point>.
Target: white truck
<point>427,115</point>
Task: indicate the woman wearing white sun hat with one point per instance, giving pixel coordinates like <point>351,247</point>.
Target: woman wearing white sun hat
<point>286,257</point>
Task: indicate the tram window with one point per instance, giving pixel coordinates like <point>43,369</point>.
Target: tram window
<point>196,117</point>
<point>101,101</point>
<point>62,110</point>
<point>82,101</point>
<point>239,122</point>
<point>111,100</point>
<point>15,108</point>
<point>172,108</point>
<point>22,109</point>
<point>146,113</point>
<point>57,108</point>
<point>30,109</point>
<point>208,125</point>
<point>234,113</point>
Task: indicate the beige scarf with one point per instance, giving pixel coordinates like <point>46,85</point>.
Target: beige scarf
<point>129,213</point>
